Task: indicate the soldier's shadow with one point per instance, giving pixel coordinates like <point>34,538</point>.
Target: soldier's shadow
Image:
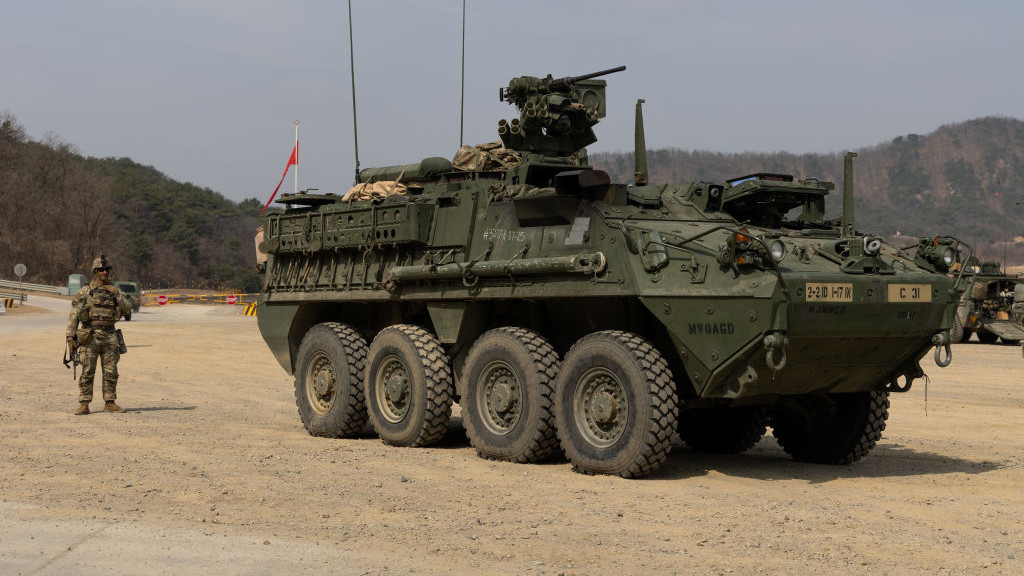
<point>157,408</point>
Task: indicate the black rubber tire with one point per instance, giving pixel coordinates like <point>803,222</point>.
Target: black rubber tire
<point>986,337</point>
<point>956,335</point>
<point>329,381</point>
<point>723,430</point>
<point>409,386</point>
<point>840,435</point>
<point>507,404</point>
<point>615,405</point>
<point>128,317</point>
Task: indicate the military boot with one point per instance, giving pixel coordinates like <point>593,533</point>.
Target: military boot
<point>83,409</point>
<point>112,407</point>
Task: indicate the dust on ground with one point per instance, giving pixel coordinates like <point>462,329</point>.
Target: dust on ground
<point>210,471</point>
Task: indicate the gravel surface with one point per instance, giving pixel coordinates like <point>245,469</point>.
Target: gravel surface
<point>210,471</point>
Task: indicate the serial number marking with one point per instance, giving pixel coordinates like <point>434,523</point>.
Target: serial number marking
<point>828,292</point>
<point>504,235</point>
<point>910,293</point>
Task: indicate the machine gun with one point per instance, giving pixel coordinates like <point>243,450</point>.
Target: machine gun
<point>556,115</point>
<point>519,89</point>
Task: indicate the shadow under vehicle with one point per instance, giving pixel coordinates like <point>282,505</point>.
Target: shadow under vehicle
<point>569,314</point>
<point>992,307</point>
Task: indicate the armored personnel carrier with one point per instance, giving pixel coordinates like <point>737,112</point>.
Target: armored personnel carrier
<point>992,307</point>
<point>568,314</point>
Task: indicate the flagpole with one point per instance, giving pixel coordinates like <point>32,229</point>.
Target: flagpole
<point>296,156</point>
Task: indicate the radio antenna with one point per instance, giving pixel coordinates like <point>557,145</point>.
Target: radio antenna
<point>352,69</point>
<point>462,98</point>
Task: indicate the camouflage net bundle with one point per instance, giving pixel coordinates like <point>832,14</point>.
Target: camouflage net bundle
<point>485,157</point>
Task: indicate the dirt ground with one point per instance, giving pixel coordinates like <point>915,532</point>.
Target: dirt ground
<point>210,471</point>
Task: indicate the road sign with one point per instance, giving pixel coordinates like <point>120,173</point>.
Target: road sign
<point>231,299</point>
<point>19,270</point>
<point>161,299</point>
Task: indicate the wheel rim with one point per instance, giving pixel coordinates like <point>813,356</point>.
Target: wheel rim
<point>600,407</point>
<point>321,382</point>
<point>499,398</point>
<point>392,390</point>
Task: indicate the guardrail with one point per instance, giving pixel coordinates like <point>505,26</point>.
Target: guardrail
<point>19,296</point>
<point>15,285</point>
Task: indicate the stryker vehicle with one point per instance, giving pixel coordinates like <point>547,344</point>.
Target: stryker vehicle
<point>565,313</point>
<point>992,307</point>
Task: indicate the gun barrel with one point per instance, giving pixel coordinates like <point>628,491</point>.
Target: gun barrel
<point>575,79</point>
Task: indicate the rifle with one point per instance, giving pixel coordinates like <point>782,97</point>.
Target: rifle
<point>71,356</point>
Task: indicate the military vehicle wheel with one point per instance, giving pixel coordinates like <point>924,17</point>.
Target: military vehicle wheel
<point>957,333</point>
<point>842,429</point>
<point>615,405</point>
<point>987,337</point>
<point>722,429</point>
<point>329,381</point>
<point>409,387</point>
<point>507,401</point>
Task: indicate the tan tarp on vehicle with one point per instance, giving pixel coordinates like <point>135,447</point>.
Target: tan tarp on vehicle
<point>485,158</point>
<point>374,190</point>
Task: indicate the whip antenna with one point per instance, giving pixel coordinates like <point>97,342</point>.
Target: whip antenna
<point>462,98</point>
<point>352,69</point>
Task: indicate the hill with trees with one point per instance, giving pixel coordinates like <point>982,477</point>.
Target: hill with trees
<point>60,209</point>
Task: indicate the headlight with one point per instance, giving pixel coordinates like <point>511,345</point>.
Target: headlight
<point>778,250</point>
<point>948,257</point>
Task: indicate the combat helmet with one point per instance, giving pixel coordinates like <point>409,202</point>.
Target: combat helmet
<point>100,262</point>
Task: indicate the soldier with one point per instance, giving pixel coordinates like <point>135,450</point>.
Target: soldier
<point>97,306</point>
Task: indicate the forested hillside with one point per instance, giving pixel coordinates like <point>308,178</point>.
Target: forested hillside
<point>59,210</point>
<point>963,179</point>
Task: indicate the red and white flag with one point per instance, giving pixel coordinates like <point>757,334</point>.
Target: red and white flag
<point>292,161</point>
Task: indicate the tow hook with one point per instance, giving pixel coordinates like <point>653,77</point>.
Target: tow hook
<point>941,341</point>
<point>776,341</point>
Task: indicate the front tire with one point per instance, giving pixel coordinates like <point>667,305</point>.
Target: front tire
<point>840,429</point>
<point>507,402</point>
<point>329,381</point>
<point>956,335</point>
<point>409,387</point>
<point>615,405</point>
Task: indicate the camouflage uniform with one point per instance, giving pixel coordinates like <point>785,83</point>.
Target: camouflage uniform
<point>94,310</point>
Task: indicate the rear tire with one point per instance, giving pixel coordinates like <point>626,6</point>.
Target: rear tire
<point>409,387</point>
<point>329,381</point>
<point>507,405</point>
<point>723,430</point>
<point>615,405</point>
<point>842,429</point>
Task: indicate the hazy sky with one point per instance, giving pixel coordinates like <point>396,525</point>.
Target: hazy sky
<point>207,91</point>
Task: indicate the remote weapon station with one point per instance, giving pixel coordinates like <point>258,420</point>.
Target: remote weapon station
<point>566,314</point>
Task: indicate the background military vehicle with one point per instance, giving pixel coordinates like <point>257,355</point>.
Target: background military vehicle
<point>992,306</point>
<point>565,313</point>
<point>131,290</point>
